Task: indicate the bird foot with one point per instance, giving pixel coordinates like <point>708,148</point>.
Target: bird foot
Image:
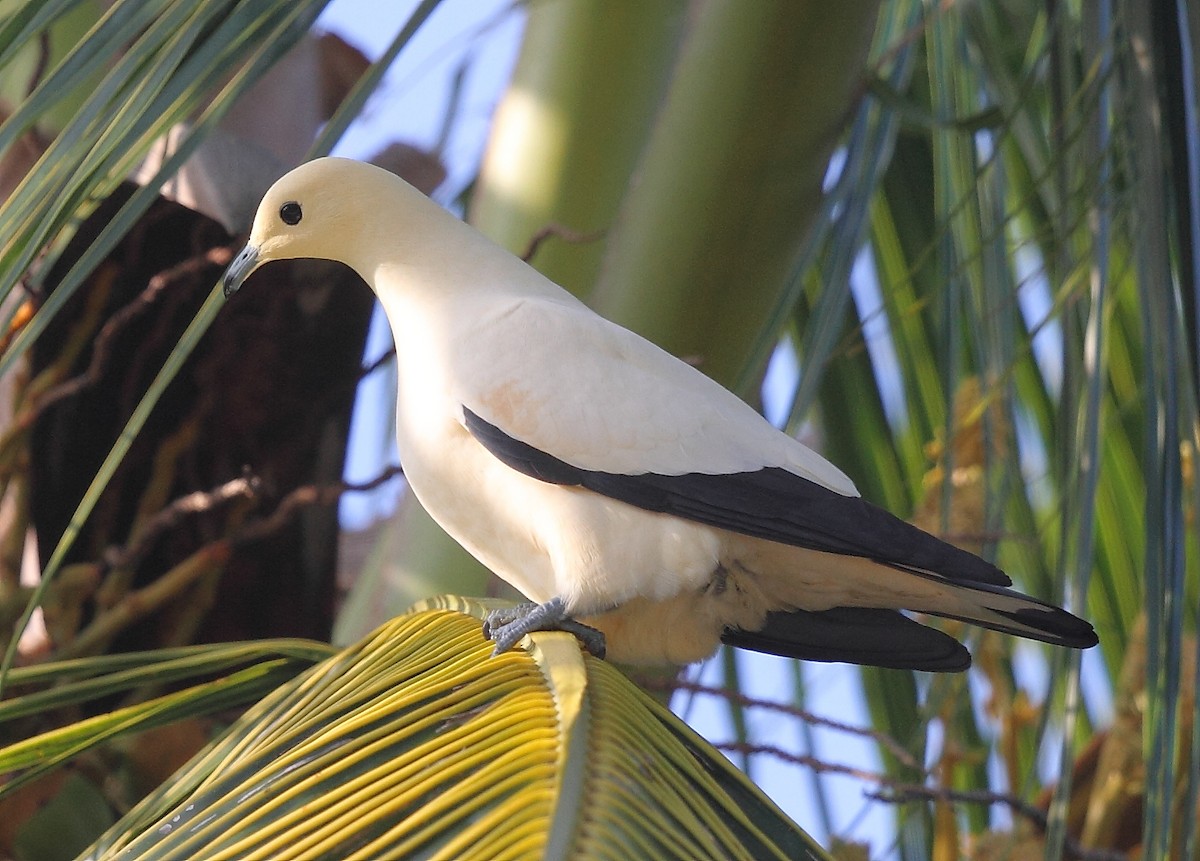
<point>508,625</point>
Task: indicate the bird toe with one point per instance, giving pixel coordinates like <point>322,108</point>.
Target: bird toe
<point>506,626</point>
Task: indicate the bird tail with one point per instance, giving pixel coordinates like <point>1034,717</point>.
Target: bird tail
<point>826,606</point>
<point>883,637</point>
<point>1011,612</point>
<point>854,635</point>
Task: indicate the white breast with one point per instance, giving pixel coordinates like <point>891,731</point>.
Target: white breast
<point>550,540</point>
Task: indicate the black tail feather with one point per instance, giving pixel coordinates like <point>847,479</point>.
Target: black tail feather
<point>855,635</point>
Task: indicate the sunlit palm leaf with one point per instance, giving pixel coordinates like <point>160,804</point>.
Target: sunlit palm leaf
<point>263,667</point>
<point>416,742</point>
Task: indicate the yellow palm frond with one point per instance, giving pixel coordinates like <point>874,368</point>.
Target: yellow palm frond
<point>417,743</point>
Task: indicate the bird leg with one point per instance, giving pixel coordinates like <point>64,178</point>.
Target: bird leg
<point>507,625</point>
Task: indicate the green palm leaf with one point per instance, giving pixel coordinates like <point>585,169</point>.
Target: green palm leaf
<point>417,743</point>
<point>251,670</point>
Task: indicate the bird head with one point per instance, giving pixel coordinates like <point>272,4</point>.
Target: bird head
<point>317,210</point>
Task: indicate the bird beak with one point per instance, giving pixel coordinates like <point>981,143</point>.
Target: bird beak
<point>239,270</point>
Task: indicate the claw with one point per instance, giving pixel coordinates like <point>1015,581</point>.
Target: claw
<point>508,625</point>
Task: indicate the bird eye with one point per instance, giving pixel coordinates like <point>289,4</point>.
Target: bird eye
<point>291,213</point>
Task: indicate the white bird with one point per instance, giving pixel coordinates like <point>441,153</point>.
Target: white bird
<point>634,500</point>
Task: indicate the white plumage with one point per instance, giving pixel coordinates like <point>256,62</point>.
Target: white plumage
<point>608,480</point>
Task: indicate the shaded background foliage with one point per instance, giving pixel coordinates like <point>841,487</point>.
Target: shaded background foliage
<point>973,228</point>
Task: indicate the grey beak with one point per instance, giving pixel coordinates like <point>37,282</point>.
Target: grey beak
<point>239,270</point>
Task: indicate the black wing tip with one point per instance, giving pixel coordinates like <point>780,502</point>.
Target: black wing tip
<point>1057,626</point>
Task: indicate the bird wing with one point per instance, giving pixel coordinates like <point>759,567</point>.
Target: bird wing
<point>583,402</point>
<point>551,373</point>
<point>768,502</point>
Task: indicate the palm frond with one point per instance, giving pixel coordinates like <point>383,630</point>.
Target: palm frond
<point>417,742</point>
<point>251,670</point>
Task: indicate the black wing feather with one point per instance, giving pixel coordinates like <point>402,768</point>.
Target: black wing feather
<point>769,503</point>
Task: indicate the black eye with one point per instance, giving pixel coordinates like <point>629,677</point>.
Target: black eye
<point>290,212</point>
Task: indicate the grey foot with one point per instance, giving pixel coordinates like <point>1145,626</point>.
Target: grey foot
<point>505,627</point>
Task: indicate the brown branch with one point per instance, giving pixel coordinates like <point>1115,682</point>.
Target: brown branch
<point>207,559</point>
<point>561,232</point>
<point>102,351</point>
<point>904,793</point>
<point>882,739</point>
<point>304,496</point>
<point>818,765</point>
<point>140,603</point>
<point>246,487</point>
<point>898,793</point>
<point>193,503</point>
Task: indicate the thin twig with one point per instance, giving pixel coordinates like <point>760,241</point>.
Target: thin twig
<point>140,603</point>
<point>207,559</point>
<point>304,496</point>
<point>193,503</point>
<point>561,232</point>
<point>246,487</point>
<point>818,765</point>
<point>894,747</point>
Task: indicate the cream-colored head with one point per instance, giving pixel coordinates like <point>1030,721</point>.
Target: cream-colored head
<point>330,209</point>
